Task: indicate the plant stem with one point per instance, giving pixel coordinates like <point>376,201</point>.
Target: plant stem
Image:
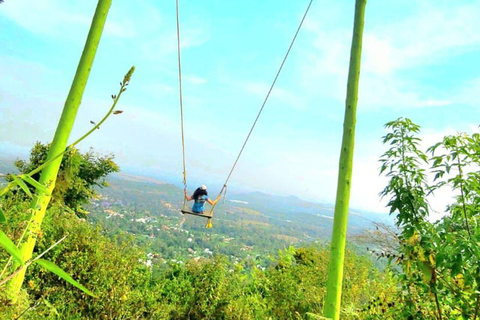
<point>337,251</point>
<point>439,310</point>
<point>112,108</point>
<point>412,207</point>
<point>463,198</point>
<point>49,173</point>
<point>477,308</point>
<point>109,113</point>
<point>5,267</point>
<point>26,310</point>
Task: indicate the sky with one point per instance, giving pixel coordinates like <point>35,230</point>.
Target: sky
<point>420,60</point>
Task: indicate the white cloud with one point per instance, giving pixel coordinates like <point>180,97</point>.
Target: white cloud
<point>432,34</point>
<point>396,93</point>
<point>378,55</point>
<point>195,80</point>
<point>69,20</point>
<point>429,37</point>
<point>469,94</point>
<point>164,46</point>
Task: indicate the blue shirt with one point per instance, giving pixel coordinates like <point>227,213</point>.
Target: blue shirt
<point>199,205</point>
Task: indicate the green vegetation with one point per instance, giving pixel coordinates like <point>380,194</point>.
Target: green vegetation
<point>134,256</point>
<point>438,267</point>
<point>78,175</point>
<point>207,288</point>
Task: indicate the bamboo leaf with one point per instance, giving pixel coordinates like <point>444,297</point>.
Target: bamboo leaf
<point>22,185</point>
<point>35,183</point>
<point>11,248</point>
<point>52,267</point>
<point>7,188</point>
<point>2,216</point>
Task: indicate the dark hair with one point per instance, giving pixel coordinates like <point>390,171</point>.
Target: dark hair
<point>199,192</point>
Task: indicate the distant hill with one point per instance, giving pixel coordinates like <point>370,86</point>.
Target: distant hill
<point>294,206</point>
<point>136,178</point>
<point>288,215</point>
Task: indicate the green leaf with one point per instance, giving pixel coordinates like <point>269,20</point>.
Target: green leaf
<point>40,187</point>
<point>22,185</point>
<point>313,316</point>
<point>11,248</point>
<point>49,305</point>
<point>7,188</point>
<point>2,216</point>
<point>52,267</point>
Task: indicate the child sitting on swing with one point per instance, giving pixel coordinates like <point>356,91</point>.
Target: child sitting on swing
<point>200,196</point>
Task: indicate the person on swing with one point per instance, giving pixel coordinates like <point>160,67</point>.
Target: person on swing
<point>200,196</point>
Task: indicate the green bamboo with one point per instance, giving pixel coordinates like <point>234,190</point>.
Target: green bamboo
<point>48,175</point>
<point>337,251</point>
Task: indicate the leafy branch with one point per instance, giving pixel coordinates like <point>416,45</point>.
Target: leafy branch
<point>22,180</point>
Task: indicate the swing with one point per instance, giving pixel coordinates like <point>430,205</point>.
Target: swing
<point>185,209</point>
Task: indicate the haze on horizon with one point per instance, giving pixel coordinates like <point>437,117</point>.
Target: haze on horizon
<point>419,61</point>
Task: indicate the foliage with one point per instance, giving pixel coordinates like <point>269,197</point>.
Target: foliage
<point>438,262</point>
<point>206,288</point>
<point>78,176</point>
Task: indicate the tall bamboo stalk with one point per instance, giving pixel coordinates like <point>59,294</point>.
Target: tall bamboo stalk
<point>337,251</point>
<point>48,175</point>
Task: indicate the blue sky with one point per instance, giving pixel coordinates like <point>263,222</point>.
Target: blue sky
<point>420,60</point>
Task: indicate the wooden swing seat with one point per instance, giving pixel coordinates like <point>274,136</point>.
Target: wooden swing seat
<point>187,210</point>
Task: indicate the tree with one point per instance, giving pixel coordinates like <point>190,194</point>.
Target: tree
<point>439,270</point>
<point>78,175</point>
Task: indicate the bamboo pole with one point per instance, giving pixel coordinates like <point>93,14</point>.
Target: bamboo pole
<point>337,251</point>
<point>48,175</point>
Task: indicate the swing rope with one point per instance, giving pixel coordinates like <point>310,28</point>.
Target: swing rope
<point>181,102</point>
<point>224,188</point>
<point>263,105</point>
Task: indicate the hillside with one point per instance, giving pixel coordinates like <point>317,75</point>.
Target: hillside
<point>255,224</point>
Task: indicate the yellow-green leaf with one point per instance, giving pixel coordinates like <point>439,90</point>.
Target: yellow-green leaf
<point>2,216</point>
<point>22,185</point>
<point>35,183</point>
<point>11,248</point>
<point>49,305</point>
<point>426,269</point>
<point>52,267</point>
<point>7,188</point>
